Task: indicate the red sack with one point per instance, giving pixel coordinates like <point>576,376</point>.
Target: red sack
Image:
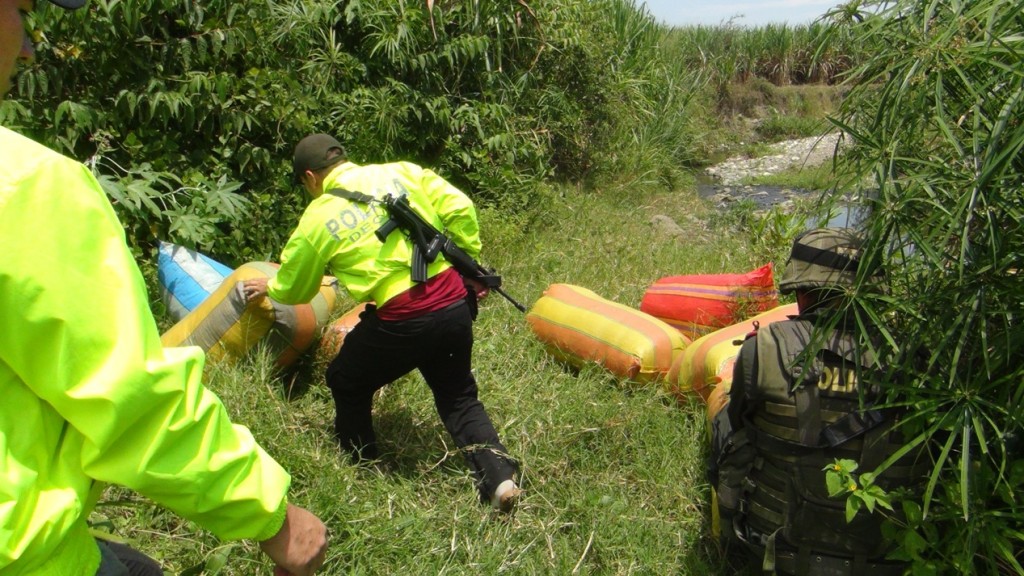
<point>702,303</point>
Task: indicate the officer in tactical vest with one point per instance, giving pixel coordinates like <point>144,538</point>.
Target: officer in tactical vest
<point>801,397</point>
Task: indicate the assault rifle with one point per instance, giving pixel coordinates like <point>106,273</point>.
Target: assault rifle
<point>428,242</point>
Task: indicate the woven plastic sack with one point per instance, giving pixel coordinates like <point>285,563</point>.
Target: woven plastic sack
<point>227,328</point>
<point>577,326</point>
<point>717,399</point>
<point>700,304</point>
<point>333,337</point>
<point>186,278</point>
<point>709,361</point>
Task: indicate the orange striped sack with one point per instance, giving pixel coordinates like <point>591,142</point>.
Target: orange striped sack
<point>701,303</point>
<point>707,364</point>
<point>334,335</point>
<point>577,326</point>
<point>227,328</point>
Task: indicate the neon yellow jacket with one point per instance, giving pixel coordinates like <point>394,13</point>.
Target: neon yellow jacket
<point>339,233</point>
<point>89,395</point>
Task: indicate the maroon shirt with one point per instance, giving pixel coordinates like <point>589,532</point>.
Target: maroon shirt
<point>436,293</point>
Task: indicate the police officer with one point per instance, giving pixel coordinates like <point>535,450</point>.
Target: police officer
<point>90,396</point>
<point>801,398</point>
<point>407,325</point>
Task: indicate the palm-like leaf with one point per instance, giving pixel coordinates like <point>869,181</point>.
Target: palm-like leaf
<point>937,116</point>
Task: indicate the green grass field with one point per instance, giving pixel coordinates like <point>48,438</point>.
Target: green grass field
<point>613,470</point>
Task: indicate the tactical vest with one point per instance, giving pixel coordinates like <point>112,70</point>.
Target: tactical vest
<point>807,413</point>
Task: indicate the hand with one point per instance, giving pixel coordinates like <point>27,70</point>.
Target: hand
<point>254,288</point>
<point>479,287</point>
<point>300,546</point>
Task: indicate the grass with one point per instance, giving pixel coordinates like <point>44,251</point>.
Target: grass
<point>759,98</point>
<point>818,177</point>
<point>783,127</point>
<point>613,472</point>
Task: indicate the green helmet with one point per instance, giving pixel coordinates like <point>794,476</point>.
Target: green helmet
<point>822,258</point>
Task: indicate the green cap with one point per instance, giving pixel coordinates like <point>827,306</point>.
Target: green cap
<point>822,258</point>
<point>314,152</point>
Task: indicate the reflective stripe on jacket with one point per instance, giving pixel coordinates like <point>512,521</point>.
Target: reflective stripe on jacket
<point>338,233</point>
<point>89,395</point>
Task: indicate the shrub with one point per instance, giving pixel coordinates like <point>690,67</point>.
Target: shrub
<point>935,114</point>
<point>203,109</point>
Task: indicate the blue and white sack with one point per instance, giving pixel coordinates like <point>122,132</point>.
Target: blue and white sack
<point>186,278</point>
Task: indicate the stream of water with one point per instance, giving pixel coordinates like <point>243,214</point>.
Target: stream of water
<point>764,197</point>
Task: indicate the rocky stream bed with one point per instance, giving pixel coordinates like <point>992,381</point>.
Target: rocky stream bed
<point>722,183</point>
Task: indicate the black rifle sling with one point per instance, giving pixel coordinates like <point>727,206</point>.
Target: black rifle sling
<point>388,226</point>
<point>352,195</point>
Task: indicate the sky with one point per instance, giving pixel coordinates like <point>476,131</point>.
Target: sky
<point>754,12</point>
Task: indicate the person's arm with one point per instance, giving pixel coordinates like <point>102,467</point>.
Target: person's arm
<point>77,330</point>
<point>456,210</point>
<point>299,278</point>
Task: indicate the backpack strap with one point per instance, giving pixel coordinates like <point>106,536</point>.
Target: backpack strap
<point>802,564</point>
<point>803,386</point>
<point>808,414</point>
<point>851,426</point>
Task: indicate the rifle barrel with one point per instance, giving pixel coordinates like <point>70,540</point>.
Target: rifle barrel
<point>518,306</point>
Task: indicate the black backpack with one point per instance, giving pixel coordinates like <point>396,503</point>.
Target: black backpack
<point>769,474</point>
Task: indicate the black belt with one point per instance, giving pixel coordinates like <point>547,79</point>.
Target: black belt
<point>787,562</point>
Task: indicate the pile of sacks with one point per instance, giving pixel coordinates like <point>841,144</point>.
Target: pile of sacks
<point>685,335</point>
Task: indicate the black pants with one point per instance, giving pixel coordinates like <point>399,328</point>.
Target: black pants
<point>440,346</point>
<point>120,560</point>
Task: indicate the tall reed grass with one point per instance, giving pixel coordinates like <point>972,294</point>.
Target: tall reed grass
<point>781,53</point>
<point>935,113</point>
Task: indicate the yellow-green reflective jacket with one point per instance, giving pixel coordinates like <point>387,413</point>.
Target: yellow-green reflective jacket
<point>338,233</point>
<point>89,395</point>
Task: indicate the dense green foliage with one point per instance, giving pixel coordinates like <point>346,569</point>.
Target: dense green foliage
<point>189,110</point>
<point>782,54</point>
<point>937,117</point>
